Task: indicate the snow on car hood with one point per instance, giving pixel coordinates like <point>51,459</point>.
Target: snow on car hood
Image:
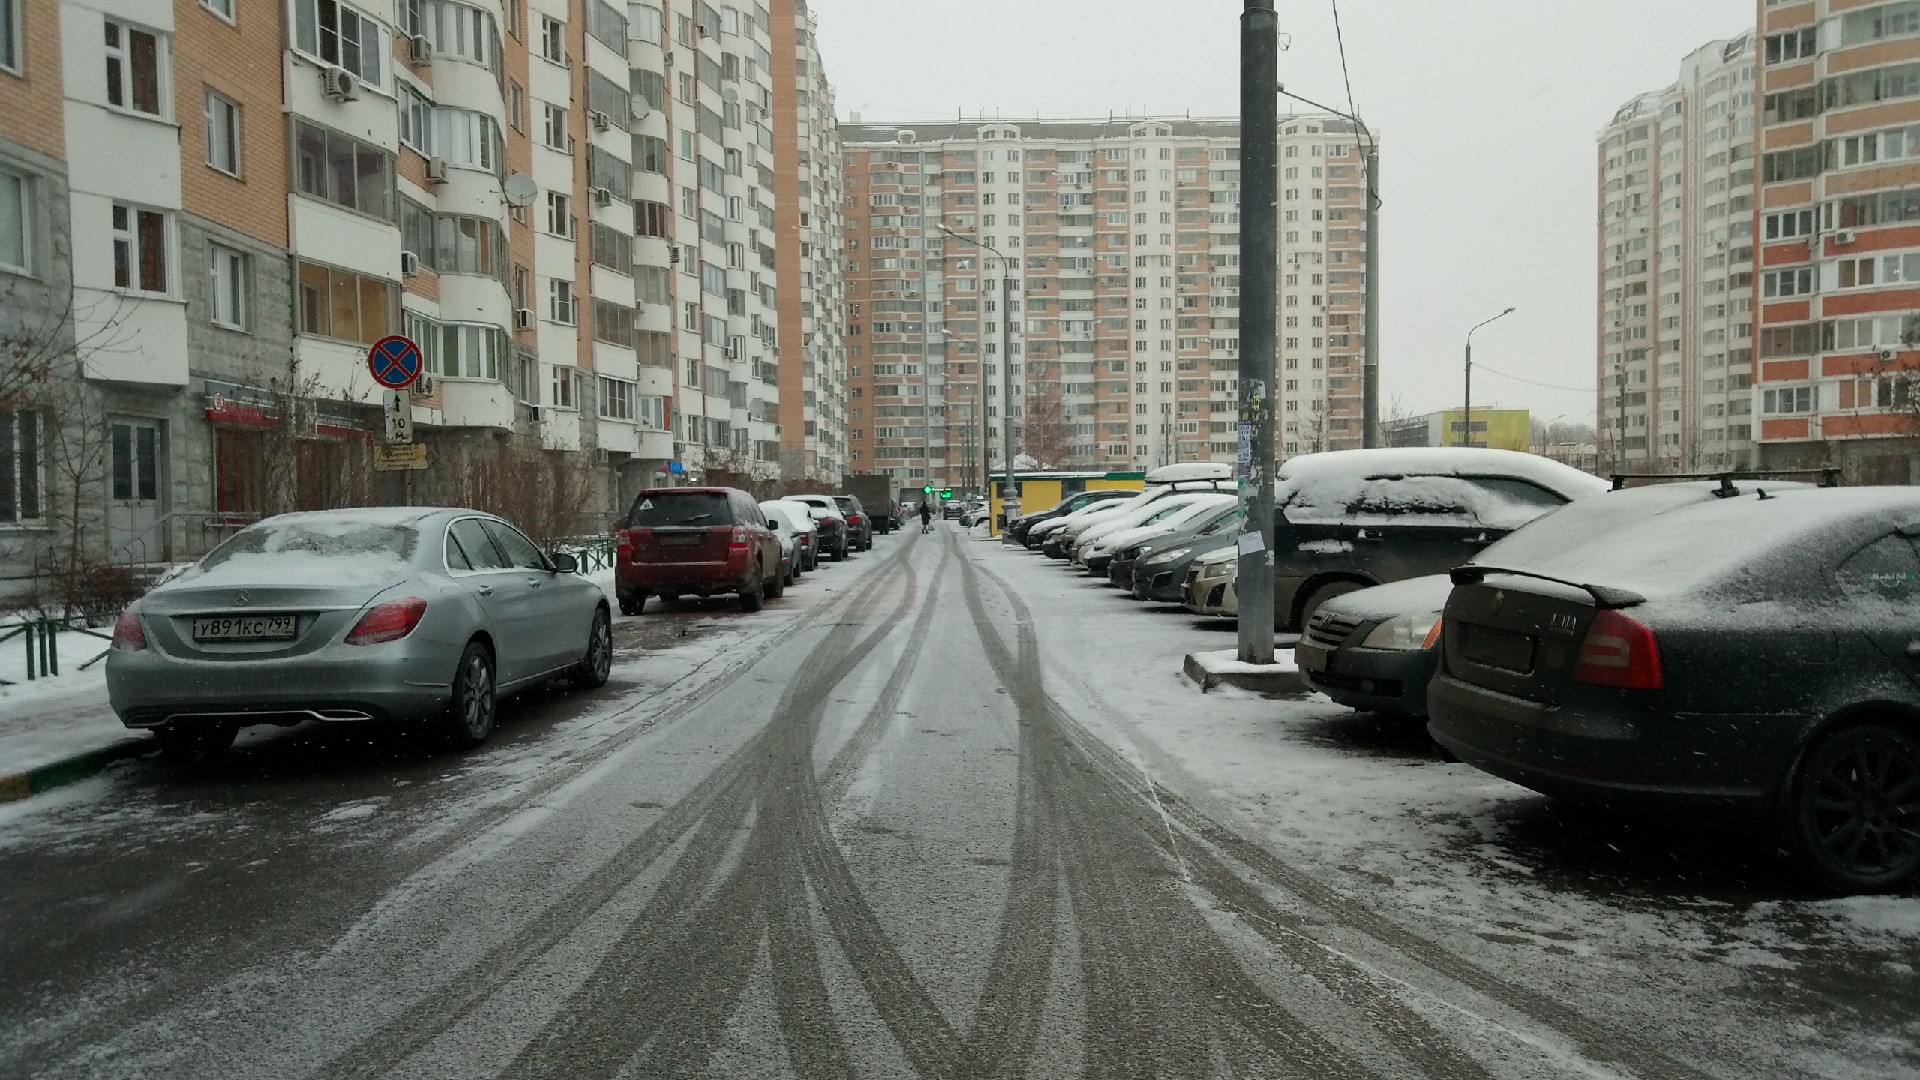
<point>1414,596</point>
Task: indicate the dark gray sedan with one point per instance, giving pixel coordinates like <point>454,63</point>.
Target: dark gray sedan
<point>1760,653</point>
<point>1374,649</point>
<point>368,614</point>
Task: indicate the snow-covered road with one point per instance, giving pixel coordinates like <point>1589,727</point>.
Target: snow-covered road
<point>946,811</point>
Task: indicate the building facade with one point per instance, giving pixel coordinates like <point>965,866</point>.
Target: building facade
<point>806,177</point>
<point>1100,259</point>
<point>1677,190</point>
<point>1494,427</point>
<point>569,205</point>
<point>1839,226</point>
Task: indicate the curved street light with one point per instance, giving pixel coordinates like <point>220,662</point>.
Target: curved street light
<point>1010,502</point>
<point>1466,408</point>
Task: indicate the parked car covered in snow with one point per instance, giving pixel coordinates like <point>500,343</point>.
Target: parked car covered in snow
<point>1375,649</point>
<point>1760,653</point>
<point>799,522</point>
<point>1097,543</point>
<point>835,536</point>
<point>391,614</point>
<point>1204,525</point>
<point>1020,527</point>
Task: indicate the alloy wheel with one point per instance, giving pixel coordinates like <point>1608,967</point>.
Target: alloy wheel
<point>1864,809</point>
<point>477,684</point>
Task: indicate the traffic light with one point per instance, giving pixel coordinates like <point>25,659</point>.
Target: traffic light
<point>927,489</point>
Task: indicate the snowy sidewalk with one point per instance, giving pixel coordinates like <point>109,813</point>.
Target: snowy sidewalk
<point>53,731</point>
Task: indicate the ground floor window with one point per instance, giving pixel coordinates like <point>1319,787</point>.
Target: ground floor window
<point>22,475</point>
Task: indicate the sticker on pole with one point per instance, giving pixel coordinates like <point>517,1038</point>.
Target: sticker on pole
<point>395,362</point>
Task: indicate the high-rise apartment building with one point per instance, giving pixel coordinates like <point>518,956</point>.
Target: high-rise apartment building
<point>1676,268</point>
<point>806,177</point>
<point>1839,226</point>
<point>1101,259</point>
<point>210,209</point>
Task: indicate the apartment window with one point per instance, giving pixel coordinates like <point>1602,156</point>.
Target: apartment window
<point>1787,400</point>
<point>643,23</point>
<point>1795,282</point>
<point>553,40</point>
<point>560,215</point>
<point>652,219</point>
<point>467,139</point>
<point>517,106</point>
<point>566,385</point>
<point>554,133</point>
<point>616,399</point>
<point>469,245</point>
<point>346,306</point>
<point>133,68</point>
<point>21,462</point>
<point>229,283</point>
<point>340,170</point>
<point>340,36</point>
<point>16,221</point>
<point>462,32</point>
<point>10,45</point>
<point>612,323</point>
<point>562,304</point>
<point>650,154</point>
<point>140,257</point>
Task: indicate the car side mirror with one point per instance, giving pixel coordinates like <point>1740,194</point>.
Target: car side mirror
<point>564,563</point>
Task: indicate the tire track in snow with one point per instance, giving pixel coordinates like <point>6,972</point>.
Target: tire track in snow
<point>464,993</point>
<point>1411,1033</point>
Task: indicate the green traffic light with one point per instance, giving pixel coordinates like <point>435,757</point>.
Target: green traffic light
<point>927,490</point>
<point>947,494</point>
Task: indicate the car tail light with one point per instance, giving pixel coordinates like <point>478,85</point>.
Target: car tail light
<point>1433,635</point>
<point>854,519</point>
<point>390,621</point>
<point>1621,652</point>
<point>738,542</point>
<point>127,631</point>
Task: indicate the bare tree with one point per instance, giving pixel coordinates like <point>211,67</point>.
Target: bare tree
<point>1047,434</point>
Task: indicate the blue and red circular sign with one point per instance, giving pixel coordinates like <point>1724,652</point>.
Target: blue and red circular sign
<point>395,362</point>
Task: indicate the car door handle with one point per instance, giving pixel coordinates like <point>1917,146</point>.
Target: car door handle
<point>484,590</point>
<point>1913,649</point>
<point>535,582</point>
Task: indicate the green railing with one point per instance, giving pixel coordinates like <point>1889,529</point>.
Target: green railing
<point>42,640</point>
<point>595,554</point>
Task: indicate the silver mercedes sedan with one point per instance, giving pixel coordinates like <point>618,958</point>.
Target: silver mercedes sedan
<point>401,613</point>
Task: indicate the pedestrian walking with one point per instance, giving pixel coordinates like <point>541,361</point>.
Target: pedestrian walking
<point>926,518</point>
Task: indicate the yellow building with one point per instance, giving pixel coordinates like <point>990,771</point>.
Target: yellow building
<point>1497,429</point>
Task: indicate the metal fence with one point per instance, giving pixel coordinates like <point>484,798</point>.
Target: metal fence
<point>42,640</point>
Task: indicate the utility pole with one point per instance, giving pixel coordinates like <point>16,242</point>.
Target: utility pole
<point>1259,304</point>
<point>1010,492</point>
<point>1370,360</point>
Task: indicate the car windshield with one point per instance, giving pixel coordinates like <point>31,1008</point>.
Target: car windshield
<point>440,635</point>
<point>664,510</point>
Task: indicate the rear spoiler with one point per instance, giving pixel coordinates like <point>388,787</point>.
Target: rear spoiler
<point>1829,477</point>
<point>1603,596</point>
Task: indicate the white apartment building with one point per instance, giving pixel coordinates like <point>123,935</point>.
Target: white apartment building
<point>1677,187</point>
<point>1122,241</point>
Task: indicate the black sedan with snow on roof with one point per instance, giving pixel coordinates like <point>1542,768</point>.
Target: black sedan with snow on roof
<point>1759,653</point>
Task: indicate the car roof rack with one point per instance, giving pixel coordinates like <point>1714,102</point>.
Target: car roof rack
<point>1829,477</point>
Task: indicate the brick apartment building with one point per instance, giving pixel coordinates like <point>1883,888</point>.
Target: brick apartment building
<point>210,208</point>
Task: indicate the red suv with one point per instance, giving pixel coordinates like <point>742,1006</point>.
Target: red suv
<point>701,541</point>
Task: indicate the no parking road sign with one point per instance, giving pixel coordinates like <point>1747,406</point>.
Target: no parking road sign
<point>394,362</point>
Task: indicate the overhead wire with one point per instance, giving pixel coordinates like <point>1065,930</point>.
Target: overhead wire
<point>1532,382</point>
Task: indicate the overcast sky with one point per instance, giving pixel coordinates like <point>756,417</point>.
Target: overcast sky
<point>1486,110</point>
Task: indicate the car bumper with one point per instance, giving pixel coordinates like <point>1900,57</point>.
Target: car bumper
<point>1372,680</point>
<point>700,579</point>
<point>1097,564</point>
<point>1120,573</point>
<point>1160,586</point>
<point>1597,755</point>
<point>400,680</point>
<point>1208,596</point>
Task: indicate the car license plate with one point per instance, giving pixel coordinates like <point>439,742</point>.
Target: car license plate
<point>1497,648</point>
<point>243,628</point>
<point>680,539</point>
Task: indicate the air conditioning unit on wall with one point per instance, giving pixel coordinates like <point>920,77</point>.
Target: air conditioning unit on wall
<point>339,85</point>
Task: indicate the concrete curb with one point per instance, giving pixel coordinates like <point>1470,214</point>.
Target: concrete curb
<point>75,767</point>
<point>1274,680</point>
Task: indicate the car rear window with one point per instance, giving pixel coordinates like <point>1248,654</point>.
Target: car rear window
<point>312,548</point>
<point>666,510</point>
<point>1486,501</point>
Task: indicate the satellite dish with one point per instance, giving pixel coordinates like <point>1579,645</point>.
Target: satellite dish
<point>520,190</point>
<point>641,108</point>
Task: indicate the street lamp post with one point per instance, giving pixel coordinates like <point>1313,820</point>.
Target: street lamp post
<point>1370,356</point>
<point>1009,499</point>
<point>1466,407</point>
